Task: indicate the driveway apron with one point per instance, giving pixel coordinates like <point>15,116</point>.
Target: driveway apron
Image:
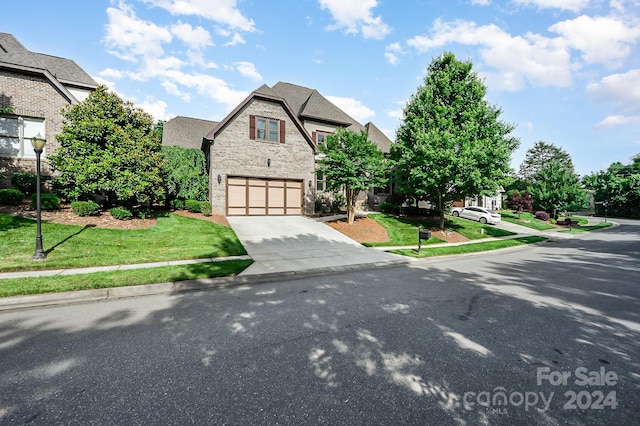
<point>296,244</point>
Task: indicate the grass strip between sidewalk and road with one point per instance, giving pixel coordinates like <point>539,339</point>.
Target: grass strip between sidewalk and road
<point>469,247</point>
<point>121,278</point>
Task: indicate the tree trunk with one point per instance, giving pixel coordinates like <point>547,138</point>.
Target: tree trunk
<point>351,205</point>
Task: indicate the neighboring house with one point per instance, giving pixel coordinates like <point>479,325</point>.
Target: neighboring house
<point>186,132</point>
<point>493,202</point>
<point>34,88</point>
<point>262,157</point>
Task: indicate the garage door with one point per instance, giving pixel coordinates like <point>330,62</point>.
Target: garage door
<point>263,197</point>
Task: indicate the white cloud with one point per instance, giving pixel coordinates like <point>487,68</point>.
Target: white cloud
<point>247,69</point>
<point>235,40</point>
<point>531,58</point>
<point>111,73</point>
<point>132,37</point>
<point>572,5</point>
<point>393,52</point>
<point>172,89</point>
<point>224,12</point>
<point>352,107</point>
<point>356,17</point>
<point>601,40</point>
<point>480,2</point>
<point>617,120</point>
<point>155,107</point>
<point>195,38</point>
<point>622,89</point>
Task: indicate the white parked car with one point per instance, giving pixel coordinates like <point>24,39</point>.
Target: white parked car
<point>480,214</point>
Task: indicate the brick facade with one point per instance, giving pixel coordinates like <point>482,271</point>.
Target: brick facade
<point>233,153</point>
<point>31,96</point>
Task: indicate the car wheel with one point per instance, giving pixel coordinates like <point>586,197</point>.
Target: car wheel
<point>483,220</point>
<point>456,214</point>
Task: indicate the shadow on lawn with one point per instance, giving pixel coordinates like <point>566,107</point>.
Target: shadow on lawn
<point>69,237</point>
<point>9,222</point>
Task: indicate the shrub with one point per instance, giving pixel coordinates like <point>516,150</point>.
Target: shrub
<point>542,215</point>
<point>25,182</point>
<point>144,213</point>
<point>186,173</point>
<point>386,207</point>
<point>121,213</point>
<point>205,208</point>
<point>85,208</point>
<point>47,201</point>
<point>192,205</point>
<point>177,204</point>
<point>11,197</point>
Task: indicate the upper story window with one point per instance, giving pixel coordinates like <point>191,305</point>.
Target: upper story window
<point>16,134</point>
<point>320,137</point>
<point>266,129</point>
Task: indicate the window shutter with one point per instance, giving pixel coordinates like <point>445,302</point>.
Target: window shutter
<point>252,127</point>
<point>282,131</point>
<point>314,136</point>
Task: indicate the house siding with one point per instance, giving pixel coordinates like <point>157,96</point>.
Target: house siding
<point>233,153</point>
<point>33,97</point>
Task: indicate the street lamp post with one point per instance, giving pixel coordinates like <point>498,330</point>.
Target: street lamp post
<point>38,145</point>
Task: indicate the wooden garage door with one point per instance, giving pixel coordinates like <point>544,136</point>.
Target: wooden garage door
<point>263,197</point>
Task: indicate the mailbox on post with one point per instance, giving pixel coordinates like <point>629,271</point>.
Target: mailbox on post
<point>423,234</point>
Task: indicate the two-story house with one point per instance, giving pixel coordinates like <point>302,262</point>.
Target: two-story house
<point>34,88</point>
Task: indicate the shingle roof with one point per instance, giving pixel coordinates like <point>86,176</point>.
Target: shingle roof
<point>310,104</point>
<point>186,132</point>
<point>376,136</point>
<point>66,71</point>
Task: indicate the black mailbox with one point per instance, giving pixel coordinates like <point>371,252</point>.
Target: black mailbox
<point>423,234</point>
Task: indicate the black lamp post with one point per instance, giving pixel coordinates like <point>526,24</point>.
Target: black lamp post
<point>38,145</point>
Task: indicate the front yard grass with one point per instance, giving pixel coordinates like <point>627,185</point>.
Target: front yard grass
<point>404,231</point>
<point>579,229</point>
<point>71,246</point>
<point>526,219</point>
<point>469,248</point>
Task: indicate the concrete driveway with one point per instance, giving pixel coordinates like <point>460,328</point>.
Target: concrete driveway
<point>296,244</point>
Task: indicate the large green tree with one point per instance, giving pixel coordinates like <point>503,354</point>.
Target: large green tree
<point>351,163</point>
<point>108,151</point>
<point>541,154</point>
<point>186,170</point>
<point>556,188</point>
<point>619,187</point>
<point>452,142</point>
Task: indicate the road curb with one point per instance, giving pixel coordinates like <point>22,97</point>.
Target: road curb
<point>177,287</point>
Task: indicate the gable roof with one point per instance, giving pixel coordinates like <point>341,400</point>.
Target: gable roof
<point>378,137</point>
<point>263,93</point>
<point>60,72</point>
<point>186,132</point>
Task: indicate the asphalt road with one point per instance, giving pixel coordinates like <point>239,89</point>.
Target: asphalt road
<point>544,335</point>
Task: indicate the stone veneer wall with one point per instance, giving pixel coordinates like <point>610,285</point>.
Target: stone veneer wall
<point>234,154</point>
<point>31,96</point>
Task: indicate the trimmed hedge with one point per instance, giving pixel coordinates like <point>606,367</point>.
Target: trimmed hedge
<point>205,208</point>
<point>47,201</point>
<point>11,197</point>
<point>85,208</point>
<point>542,215</point>
<point>121,213</point>
<point>25,182</point>
<point>192,205</point>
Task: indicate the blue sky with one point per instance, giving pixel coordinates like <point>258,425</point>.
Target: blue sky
<point>564,71</point>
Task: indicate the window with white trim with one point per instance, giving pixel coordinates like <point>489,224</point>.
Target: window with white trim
<point>16,134</point>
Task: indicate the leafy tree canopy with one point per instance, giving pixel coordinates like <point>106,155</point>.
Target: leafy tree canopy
<point>452,142</point>
<point>619,187</point>
<point>556,188</point>
<point>351,163</point>
<point>186,172</point>
<point>541,154</point>
<point>109,150</point>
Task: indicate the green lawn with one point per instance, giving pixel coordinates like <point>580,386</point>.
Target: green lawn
<point>404,231</point>
<point>68,246</point>
<point>468,248</point>
<point>59,283</point>
<point>526,219</point>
